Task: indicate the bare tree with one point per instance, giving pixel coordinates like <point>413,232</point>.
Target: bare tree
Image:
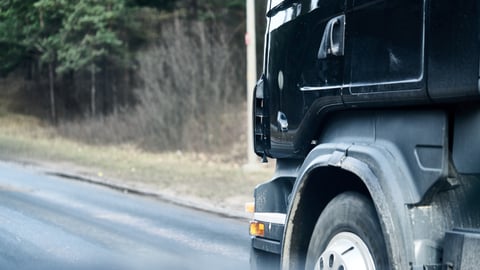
<point>190,80</point>
<point>192,95</point>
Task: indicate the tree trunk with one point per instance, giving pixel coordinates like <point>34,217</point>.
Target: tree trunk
<point>194,9</point>
<point>106,89</point>
<point>92,92</point>
<point>51,79</point>
<point>114,98</point>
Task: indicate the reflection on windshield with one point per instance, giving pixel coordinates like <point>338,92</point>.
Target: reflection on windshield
<point>284,16</point>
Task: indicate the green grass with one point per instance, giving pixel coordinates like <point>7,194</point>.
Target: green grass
<point>200,176</point>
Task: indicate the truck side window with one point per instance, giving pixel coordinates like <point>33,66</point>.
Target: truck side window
<point>386,41</point>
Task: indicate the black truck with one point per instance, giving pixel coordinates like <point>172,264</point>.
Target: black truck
<point>371,109</point>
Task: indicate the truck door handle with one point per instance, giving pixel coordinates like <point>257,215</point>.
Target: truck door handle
<point>282,122</point>
<point>333,40</point>
<point>282,6</point>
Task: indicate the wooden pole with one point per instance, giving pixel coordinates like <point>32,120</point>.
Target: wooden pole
<point>250,39</point>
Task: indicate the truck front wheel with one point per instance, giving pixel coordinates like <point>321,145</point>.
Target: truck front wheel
<point>347,236</point>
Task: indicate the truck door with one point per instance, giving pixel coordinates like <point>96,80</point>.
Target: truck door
<point>384,50</point>
<point>304,65</point>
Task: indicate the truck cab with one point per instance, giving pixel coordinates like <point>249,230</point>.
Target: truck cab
<point>371,110</point>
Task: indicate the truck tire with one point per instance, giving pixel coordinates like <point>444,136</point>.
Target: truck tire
<point>348,236</point>
<point>262,260</point>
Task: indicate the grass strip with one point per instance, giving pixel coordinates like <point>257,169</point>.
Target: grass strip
<point>196,175</point>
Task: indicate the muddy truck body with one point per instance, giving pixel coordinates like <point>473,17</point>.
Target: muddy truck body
<point>371,110</point>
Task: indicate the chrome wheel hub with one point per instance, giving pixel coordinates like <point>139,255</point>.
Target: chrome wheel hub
<point>346,251</point>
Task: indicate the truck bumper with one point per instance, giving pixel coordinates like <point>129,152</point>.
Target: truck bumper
<point>270,239</point>
<point>267,245</point>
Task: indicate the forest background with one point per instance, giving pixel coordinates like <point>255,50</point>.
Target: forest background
<point>163,75</point>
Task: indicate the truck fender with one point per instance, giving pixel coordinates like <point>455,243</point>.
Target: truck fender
<point>365,168</point>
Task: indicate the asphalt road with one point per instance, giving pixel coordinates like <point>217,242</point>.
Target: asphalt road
<point>47,222</point>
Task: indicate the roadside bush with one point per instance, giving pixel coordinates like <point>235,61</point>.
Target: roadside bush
<point>192,94</point>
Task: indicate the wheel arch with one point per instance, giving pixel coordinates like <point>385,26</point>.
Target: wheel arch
<point>313,191</point>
